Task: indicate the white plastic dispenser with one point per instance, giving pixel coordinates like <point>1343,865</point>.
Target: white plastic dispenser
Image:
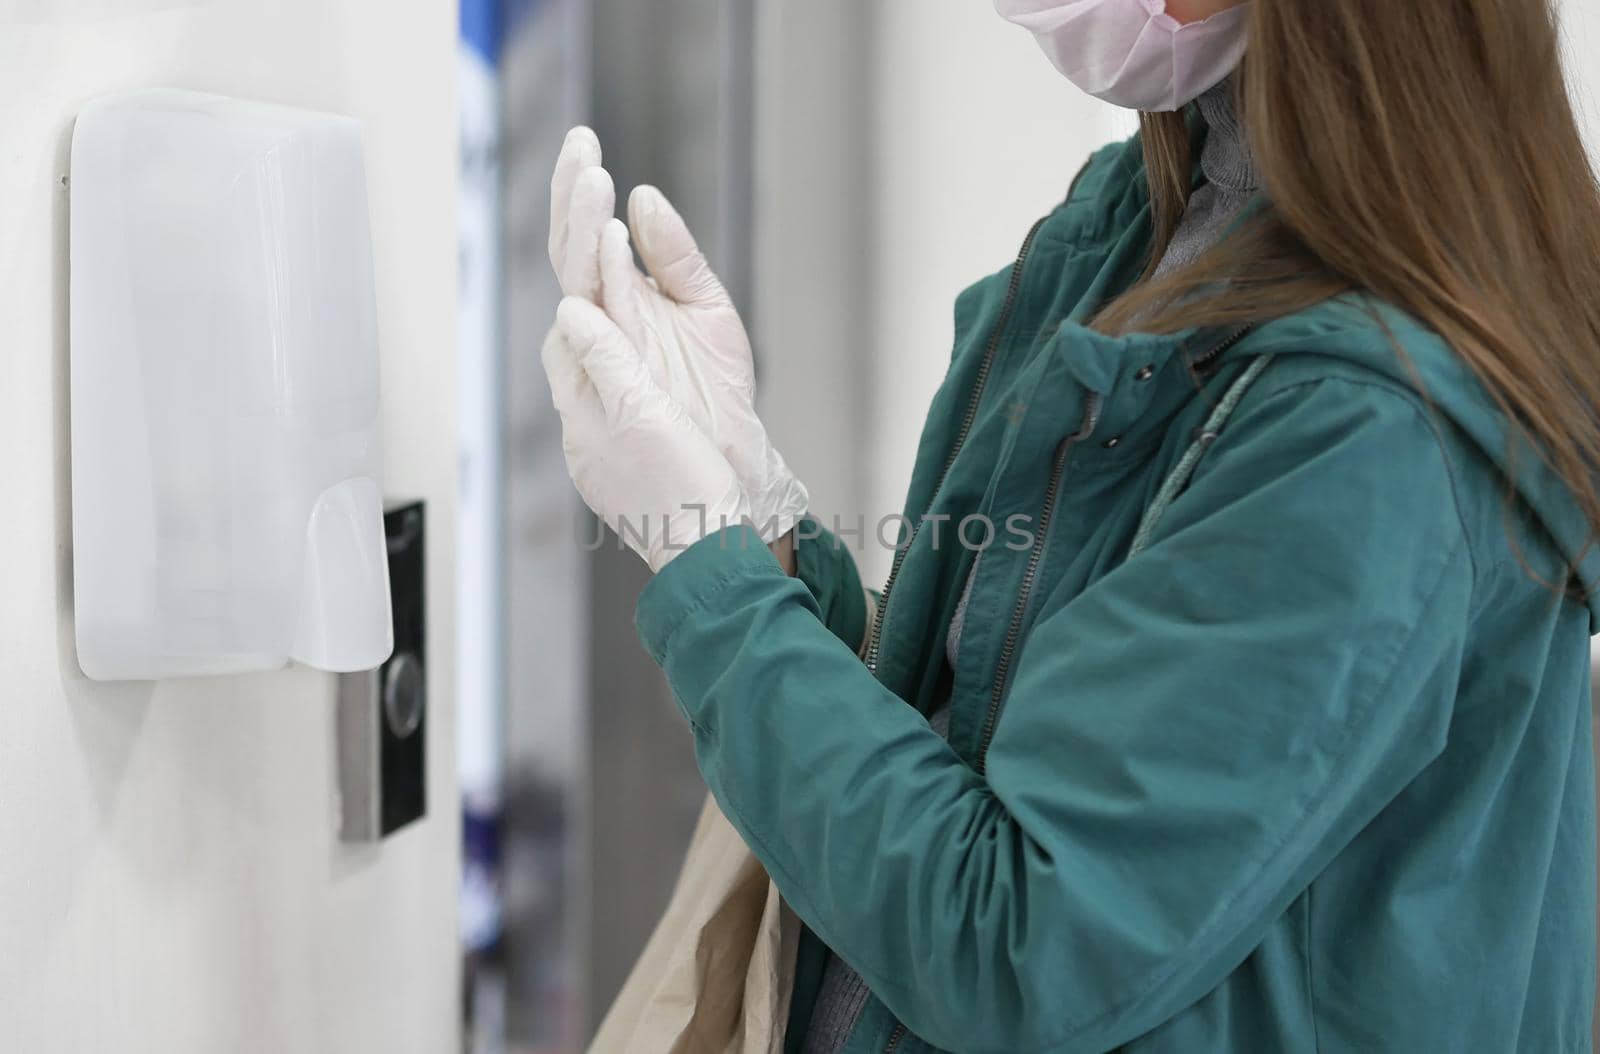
<point>226,508</point>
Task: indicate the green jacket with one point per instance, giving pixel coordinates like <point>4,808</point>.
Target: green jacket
<point>1309,770</point>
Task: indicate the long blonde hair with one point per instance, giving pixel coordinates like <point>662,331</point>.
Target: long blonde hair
<point>1424,151</point>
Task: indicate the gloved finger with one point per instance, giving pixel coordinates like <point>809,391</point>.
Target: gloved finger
<point>623,288</point>
<point>594,200</point>
<point>570,389</point>
<point>669,251</point>
<point>613,365</point>
<point>581,150</point>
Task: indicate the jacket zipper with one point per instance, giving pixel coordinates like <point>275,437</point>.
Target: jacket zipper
<point>1014,632</point>
<point>1229,341</point>
<point>1036,556</point>
<point>875,640</point>
<point>1008,651</point>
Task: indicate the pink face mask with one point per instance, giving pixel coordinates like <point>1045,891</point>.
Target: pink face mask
<point>1131,53</point>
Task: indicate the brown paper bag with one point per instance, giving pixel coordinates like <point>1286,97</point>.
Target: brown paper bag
<point>718,971</point>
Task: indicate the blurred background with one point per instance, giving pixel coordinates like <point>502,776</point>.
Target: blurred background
<point>849,168</point>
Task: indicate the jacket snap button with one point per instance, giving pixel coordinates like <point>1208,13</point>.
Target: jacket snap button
<point>1113,442</point>
<point>1145,373</point>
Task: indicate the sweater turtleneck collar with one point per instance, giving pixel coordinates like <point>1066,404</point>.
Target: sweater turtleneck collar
<point>1226,160</point>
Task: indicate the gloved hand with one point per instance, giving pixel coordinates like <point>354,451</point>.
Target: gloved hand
<point>680,318</point>
<point>639,461</point>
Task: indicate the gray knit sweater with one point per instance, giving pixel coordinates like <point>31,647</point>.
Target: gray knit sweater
<point>1231,181</point>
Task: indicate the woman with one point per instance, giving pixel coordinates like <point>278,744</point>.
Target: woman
<point>1261,723</point>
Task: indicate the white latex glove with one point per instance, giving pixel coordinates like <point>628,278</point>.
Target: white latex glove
<point>680,317</point>
<point>639,461</point>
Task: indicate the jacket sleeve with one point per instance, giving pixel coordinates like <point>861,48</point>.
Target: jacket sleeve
<point>1184,746</point>
<point>825,567</point>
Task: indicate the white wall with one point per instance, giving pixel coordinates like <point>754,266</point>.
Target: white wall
<point>1581,21</point>
<point>170,879</point>
<point>975,137</point>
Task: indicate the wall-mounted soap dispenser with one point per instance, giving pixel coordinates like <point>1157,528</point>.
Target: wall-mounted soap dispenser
<point>227,514</point>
